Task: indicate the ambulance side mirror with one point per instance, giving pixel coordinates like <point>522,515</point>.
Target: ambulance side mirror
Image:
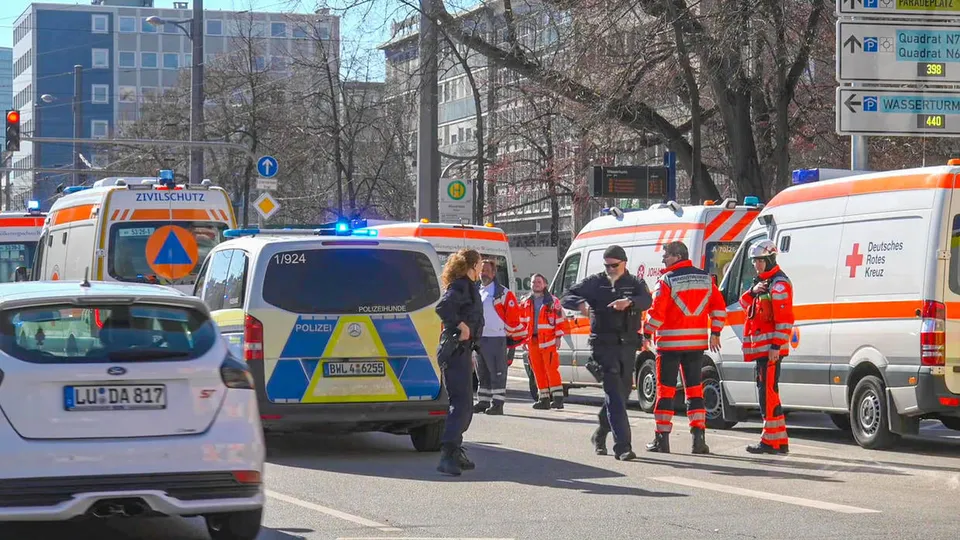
<point>20,274</point>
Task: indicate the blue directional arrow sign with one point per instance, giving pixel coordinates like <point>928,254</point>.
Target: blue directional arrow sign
<point>267,166</point>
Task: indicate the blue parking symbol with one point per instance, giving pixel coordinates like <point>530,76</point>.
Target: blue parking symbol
<point>870,44</point>
<point>267,166</point>
<point>869,103</point>
<point>870,4</point>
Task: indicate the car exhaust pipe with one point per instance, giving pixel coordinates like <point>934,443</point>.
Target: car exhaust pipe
<point>135,509</point>
<point>107,510</point>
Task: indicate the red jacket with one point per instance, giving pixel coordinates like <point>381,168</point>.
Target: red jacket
<point>506,305</point>
<point>769,316</point>
<point>549,321</point>
<point>687,307</point>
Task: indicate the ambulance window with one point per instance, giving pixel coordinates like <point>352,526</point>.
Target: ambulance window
<point>740,276</point>
<point>14,255</point>
<point>954,273</point>
<point>719,257</point>
<point>567,276</point>
<point>162,252</point>
<point>37,273</point>
<point>502,276</point>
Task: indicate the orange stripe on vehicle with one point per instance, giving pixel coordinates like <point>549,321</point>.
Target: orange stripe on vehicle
<point>115,214</point>
<point>738,227</point>
<point>225,216</point>
<point>150,214</point>
<point>716,223</point>
<point>659,245</point>
<point>635,229</point>
<point>861,186</point>
<point>190,214</point>
<point>74,213</point>
<point>22,222</point>
<point>123,216</point>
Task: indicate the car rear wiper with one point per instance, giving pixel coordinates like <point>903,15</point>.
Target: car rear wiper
<point>145,354</point>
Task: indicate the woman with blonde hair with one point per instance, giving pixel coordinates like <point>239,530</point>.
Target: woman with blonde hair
<point>461,311</point>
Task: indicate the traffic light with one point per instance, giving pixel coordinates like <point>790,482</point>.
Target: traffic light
<point>13,131</point>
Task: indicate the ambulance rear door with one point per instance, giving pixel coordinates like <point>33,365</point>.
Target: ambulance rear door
<point>948,289</point>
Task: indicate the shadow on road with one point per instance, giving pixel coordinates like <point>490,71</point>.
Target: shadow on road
<point>706,465</point>
<point>364,455</point>
<point>129,529</point>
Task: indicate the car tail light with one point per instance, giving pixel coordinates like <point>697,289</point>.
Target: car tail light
<point>933,333</point>
<point>252,339</point>
<point>247,477</point>
<point>235,374</point>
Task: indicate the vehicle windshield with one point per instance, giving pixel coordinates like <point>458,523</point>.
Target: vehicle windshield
<point>719,257</point>
<point>105,333</point>
<point>14,255</point>
<point>350,281</point>
<point>502,275</point>
<point>161,252</point>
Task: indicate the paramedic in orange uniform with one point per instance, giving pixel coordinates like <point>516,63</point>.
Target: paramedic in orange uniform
<point>542,318</point>
<point>766,334</point>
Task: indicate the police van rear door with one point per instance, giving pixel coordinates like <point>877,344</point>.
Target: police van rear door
<point>348,320</point>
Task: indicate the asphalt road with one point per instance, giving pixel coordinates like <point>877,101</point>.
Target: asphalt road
<point>537,478</point>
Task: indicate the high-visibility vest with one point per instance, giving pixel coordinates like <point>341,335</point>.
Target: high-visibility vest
<point>549,321</point>
<point>769,317</point>
<point>687,307</point>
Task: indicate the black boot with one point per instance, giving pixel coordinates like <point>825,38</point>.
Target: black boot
<point>481,406</point>
<point>661,443</point>
<point>496,409</point>
<point>557,402</point>
<point>449,459</point>
<point>762,448</point>
<point>599,441</point>
<point>699,441</point>
<point>464,461</point>
<point>542,404</point>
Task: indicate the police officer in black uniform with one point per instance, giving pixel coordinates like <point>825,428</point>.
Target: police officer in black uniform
<point>614,300</point>
<point>461,311</point>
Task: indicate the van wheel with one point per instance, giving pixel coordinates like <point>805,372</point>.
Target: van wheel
<point>868,415</point>
<point>712,399</point>
<point>951,422</point>
<point>243,525</point>
<point>646,380</point>
<point>842,421</point>
<point>427,438</point>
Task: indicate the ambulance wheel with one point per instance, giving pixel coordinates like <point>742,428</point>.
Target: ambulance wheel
<point>427,438</point>
<point>868,415</point>
<point>646,380</point>
<point>842,421</point>
<point>712,399</point>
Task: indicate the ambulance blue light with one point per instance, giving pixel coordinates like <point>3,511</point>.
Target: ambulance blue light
<point>750,200</point>
<point>236,233</point>
<point>74,189</point>
<point>33,206</point>
<point>166,175</point>
<point>806,176</point>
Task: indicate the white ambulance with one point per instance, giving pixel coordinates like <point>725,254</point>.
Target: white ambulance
<point>19,235</point>
<point>875,264</point>
<point>712,233</point>
<point>144,230</point>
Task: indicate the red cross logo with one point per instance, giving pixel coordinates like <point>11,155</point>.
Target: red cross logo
<point>854,260</point>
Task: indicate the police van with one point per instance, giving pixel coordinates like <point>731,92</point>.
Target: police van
<point>712,233</point>
<point>338,327</point>
<point>874,260</point>
<point>145,230</point>
<point>19,235</point>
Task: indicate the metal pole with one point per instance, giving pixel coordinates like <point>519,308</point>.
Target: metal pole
<point>859,153</point>
<point>77,119</point>
<point>196,93</point>
<point>428,152</point>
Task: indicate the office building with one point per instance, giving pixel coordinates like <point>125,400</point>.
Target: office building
<point>6,85</point>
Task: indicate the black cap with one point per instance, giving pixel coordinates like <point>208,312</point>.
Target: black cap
<point>615,252</point>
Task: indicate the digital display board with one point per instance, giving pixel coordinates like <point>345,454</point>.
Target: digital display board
<point>643,182</point>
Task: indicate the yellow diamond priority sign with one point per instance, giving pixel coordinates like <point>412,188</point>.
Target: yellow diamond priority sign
<point>266,205</point>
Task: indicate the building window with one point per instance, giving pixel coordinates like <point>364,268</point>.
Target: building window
<point>100,24</point>
<point>259,63</point>
<point>171,60</point>
<point>148,60</point>
<point>323,32</point>
<point>149,94</point>
<point>100,93</point>
<point>214,28</point>
<point>127,94</point>
<point>169,28</point>
<point>128,25</point>
<point>188,60</point>
<point>127,59</point>
<point>146,27</point>
<point>299,32</point>
<point>279,63</point>
<point>278,29</point>
<point>99,128</point>
<point>101,58</point>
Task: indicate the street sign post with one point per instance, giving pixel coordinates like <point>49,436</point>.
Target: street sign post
<point>456,200</point>
<point>921,9</point>
<point>898,112</point>
<point>267,166</point>
<point>883,52</point>
<point>266,206</point>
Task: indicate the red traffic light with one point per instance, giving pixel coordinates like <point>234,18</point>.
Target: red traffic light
<point>13,117</point>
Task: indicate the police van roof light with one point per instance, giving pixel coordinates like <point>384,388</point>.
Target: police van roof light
<point>750,200</point>
<point>236,233</point>
<point>365,232</point>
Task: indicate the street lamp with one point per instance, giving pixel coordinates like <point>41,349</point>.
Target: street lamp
<point>195,34</point>
<point>77,119</point>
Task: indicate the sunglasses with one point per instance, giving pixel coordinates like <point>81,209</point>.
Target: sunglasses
<point>612,265</point>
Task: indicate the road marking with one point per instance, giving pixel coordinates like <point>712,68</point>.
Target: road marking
<point>843,509</point>
<point>414,538</point>
<point>521,379</point>
<point>331,512</point>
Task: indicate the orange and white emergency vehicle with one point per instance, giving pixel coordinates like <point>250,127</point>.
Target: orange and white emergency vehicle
<point>145,230</point>
<point>19,235</point>
<point>712,233</point>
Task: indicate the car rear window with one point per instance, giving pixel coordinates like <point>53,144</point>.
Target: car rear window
<point>350,280</point>
<point>105,333</point>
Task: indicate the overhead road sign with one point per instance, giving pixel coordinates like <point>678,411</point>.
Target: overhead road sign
<point>267,166</point>
<point>898,112</point>
<point>898,52</point>
<point>921,9</point>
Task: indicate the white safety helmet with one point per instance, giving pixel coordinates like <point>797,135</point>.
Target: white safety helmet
<point>763,249</point>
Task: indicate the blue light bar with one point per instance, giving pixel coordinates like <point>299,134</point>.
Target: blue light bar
<point>806,176</point>
<point>236,233</point>
<point>365,232</point>
<point>33,206</point>
<point>750,200</point>
<point>166,175</point>
<point>74,189</point>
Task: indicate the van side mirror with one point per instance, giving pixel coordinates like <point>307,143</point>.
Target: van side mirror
<point>20,274</point>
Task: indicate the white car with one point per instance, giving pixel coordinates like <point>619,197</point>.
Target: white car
<point>124,400</point>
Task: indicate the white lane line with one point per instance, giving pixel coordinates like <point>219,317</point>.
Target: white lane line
<point>810,503</point>
<point>331,512</point>
<point>521,379</point>
<point>414,538</point>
